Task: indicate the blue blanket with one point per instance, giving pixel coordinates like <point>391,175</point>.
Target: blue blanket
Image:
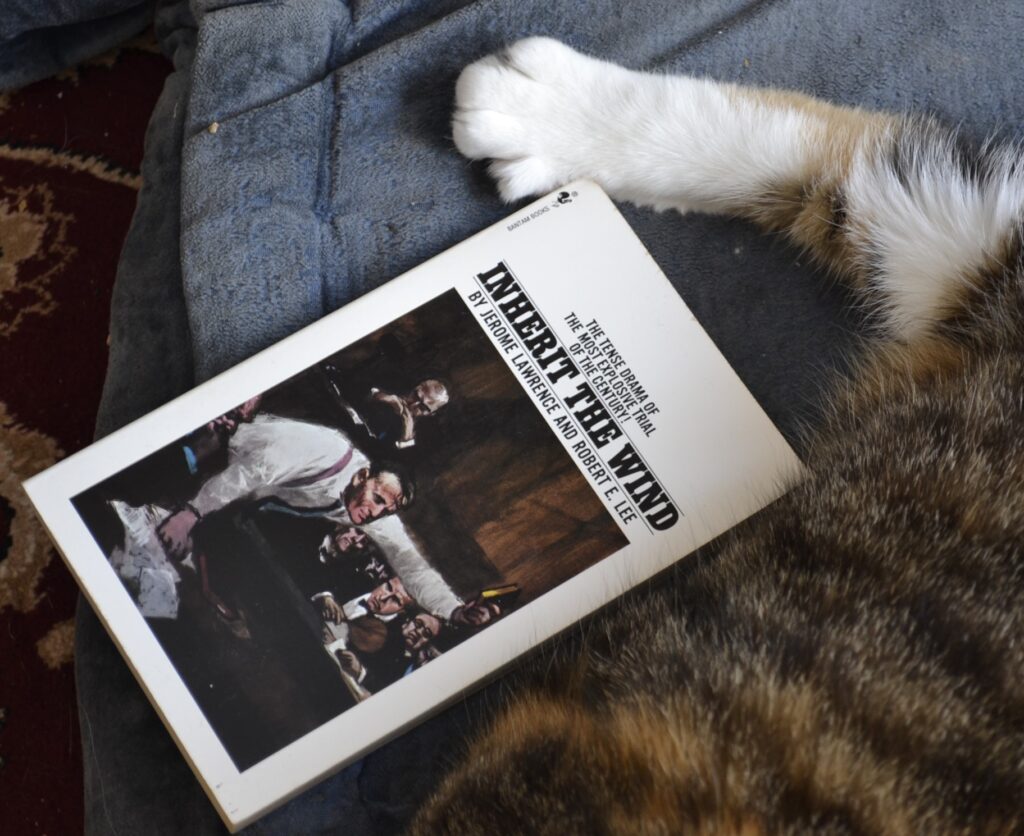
<point>332,170</point>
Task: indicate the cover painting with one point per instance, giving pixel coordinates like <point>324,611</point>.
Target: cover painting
<point>340,530</point>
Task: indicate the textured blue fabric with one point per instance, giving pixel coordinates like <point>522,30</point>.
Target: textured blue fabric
<point>37,39</point>
<point>332,170</point>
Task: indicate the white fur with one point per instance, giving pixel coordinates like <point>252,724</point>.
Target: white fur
<point>929,234</point>
<point>547,114</point>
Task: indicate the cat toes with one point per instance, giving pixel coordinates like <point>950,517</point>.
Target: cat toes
<point>513,108</point>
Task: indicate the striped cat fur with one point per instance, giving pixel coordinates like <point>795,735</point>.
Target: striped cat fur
<point>852,661</point>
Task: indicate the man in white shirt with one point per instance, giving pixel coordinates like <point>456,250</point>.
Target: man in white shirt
<point>316,469</point>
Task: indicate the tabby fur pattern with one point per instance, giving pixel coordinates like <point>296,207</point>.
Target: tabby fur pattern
<point>852,660</point>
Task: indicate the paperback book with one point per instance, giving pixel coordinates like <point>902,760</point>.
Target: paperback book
<point>320,547</point>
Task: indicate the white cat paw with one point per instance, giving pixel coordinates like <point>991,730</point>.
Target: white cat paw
<point>529,110</point>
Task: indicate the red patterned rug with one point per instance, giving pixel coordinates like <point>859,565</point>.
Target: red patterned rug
<point>70,149</point>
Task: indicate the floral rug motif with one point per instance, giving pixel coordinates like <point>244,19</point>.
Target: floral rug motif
<point>70,151</point>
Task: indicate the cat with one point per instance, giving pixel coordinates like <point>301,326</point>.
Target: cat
<point>852,659</point>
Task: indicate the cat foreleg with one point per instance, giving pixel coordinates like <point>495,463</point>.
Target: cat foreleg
<point>546,114</point>
<point>887,203</point>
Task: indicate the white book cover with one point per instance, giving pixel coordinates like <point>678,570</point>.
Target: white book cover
<point>318,548</point>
